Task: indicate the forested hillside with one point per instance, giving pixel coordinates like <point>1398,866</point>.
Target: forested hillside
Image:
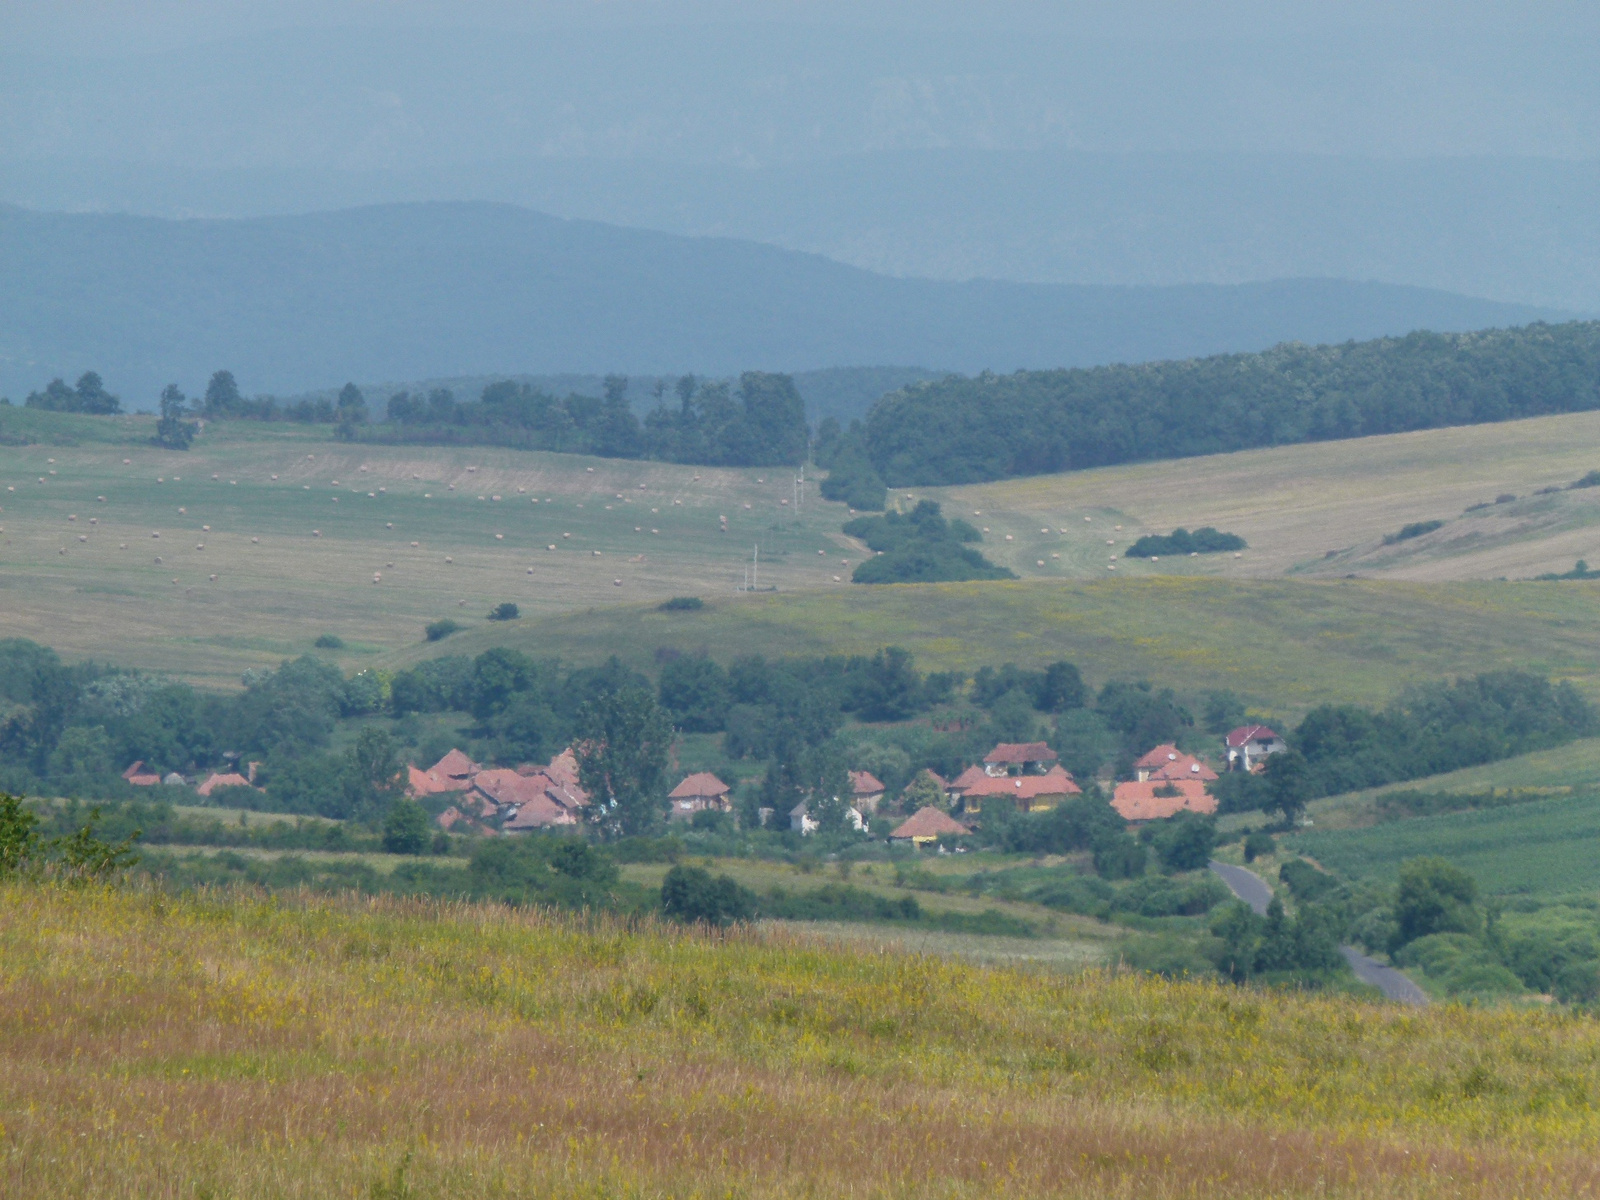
<point>962,430</point>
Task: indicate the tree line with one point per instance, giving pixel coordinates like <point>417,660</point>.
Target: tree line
<point>963,430</point>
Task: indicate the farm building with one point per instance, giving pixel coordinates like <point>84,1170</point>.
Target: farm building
<point>1154,800</point>
<point>927,825</point>
<point>1249,745</point>
<point>699,792</point>
<point>452,773</point>
<point>528,797</point>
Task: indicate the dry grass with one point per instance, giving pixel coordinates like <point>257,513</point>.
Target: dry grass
<point>1295,504</point>
<point>227,1046</point>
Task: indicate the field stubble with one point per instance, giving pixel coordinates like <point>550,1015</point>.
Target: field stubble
<point>235,1046</point>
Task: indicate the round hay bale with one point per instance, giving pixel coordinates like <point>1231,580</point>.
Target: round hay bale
<point>499,537</point>
<point>448,559</point>
<point>255,541</point>
<point>616,582</point>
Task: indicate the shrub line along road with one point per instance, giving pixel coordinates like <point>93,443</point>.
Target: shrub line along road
<point>1254,891</point>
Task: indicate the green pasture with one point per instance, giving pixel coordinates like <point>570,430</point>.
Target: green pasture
<point>1542,848</point>
<point>1282,645</point>
<point>296,554</point>
<point>1562,771</point>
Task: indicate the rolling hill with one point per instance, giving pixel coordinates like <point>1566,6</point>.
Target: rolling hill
<point>415,291</point>
<point>294,555</point>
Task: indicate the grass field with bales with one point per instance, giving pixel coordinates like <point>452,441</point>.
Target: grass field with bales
<point>270,535</point>
<point>231,1045</point>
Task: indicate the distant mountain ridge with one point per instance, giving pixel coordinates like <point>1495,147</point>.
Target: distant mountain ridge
<point>414,291</point>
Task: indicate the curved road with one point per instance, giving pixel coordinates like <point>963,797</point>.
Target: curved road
<point>1254,891</point>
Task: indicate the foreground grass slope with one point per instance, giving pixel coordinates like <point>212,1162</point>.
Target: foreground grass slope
<point>231,1046</point>
<point>1285,645</point>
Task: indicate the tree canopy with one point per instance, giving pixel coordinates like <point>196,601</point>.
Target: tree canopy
<point>963,430</point>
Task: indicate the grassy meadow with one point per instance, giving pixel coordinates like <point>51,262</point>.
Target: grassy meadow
<point>295,555</point>
<point>299,526</point>
<point>1320,509</point>
<point>1282,645</point>
<point>230,1045</point>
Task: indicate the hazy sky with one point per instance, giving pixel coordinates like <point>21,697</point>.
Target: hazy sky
<point>121,26</point>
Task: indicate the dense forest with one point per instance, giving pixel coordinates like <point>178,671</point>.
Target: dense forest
<point>962,430</point>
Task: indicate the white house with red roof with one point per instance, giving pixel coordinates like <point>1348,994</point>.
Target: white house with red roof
<point>1249,745</point>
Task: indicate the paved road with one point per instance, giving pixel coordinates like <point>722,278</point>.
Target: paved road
<point>1246,885</point>
<point>1255,892</point>
<point>1388,980</point>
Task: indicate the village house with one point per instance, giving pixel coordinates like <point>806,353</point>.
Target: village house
<point>452,773</point>
<point>521,799</point>
<point>1027,793</point>
<point>700,792</point>
<point>1141,800</point>
<point>1167,762</point>
<point>867,791</point>
<point>1029,773</point>
<point>927,825</point>
<point>1019,758</point>
<point>141,776</point>
<point>1249,745</point>
<point>221,780</point>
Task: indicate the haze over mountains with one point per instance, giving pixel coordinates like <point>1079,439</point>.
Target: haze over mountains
<point>1446,146</point>
<point>430,290</point>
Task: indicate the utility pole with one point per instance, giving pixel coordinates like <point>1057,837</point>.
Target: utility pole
<point>755,569</point>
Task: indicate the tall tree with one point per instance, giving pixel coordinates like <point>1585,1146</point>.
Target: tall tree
<point>222,395</point>
<point>172,431</point>
<point>622,744</point>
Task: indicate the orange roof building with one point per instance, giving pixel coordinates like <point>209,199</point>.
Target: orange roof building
<point>216,780</point>
<point>1029,793</point>
<point>452,773</point>
<point>141,776</point>
<point>1143,800</point>
<point>926,825</point>
<point>1020,756</point>
<point>1168,762</point>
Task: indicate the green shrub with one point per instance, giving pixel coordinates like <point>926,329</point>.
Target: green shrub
<point>437,631</point>
<point>1414,530</point>
<point>681,604</point>
<point>329,641</point>
<point>1205,540</point>
<point>504,612</point>
<point>690,894</point>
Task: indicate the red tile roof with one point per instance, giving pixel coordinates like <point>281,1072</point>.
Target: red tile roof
<point>563,769</point>
<point>539,812</point>
<point>971,777</point>
<point>141,776</point>
<point>865,783</point>
<point>1251,733</point>
<point>928,822</point>
<point>1054,782</point>
<point>1135,801</point>
<point>1184,766</point>
<point>230,779</point>
<point>1020,752</point>
<point>1159,757</point>
<point>700,785</point>
<point>454,765</point>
